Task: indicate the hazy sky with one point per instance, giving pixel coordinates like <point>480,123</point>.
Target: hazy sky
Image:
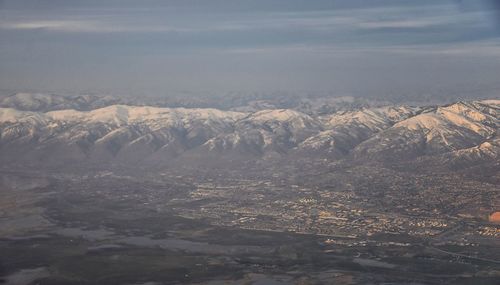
<point>161,47</point>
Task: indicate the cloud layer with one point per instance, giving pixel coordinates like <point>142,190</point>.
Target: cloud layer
<point>166,46</point>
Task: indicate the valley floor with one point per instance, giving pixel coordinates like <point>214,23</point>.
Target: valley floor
<point>165,228</point>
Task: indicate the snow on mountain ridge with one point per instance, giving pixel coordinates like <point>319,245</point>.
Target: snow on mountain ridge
<point>491,102</point>
<point>282,115</point>
<point>373,118</point>
<point>458,114</point>
<point>123,114</point>
<point>10,115</point>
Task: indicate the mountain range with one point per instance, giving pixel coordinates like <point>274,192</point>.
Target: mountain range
<point>462,133</point>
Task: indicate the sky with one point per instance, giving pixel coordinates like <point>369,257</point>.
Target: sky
<point>371,48</point>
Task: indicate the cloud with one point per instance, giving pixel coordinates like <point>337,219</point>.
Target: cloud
<point>89,26</point>
<point>422,23</point>
<point>481,49</point>
<point>117,24</point>
<point>57,25</point>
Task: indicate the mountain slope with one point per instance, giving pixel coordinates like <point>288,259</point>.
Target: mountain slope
<point>438,130</point>
<point>346,130</point>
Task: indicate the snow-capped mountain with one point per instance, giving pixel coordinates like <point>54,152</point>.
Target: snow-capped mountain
<point>344,131</point>
<point>47,102</point>
<point>268,130</point>
<point>437,130</point>
<point>464,131</point>
<point>248,103</point>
